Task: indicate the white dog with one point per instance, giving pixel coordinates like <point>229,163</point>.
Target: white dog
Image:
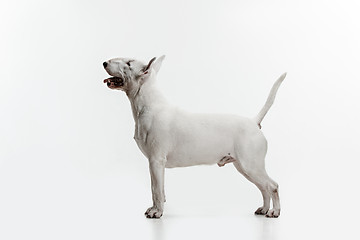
<point>170,138</point>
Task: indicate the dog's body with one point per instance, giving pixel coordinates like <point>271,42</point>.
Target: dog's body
<point>170,137</point>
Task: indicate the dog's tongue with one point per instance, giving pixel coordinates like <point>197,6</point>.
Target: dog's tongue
<point>109,79</point>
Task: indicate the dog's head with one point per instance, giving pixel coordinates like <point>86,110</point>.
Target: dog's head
<point>129,74</point>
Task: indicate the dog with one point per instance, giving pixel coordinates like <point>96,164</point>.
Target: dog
<point>170,137</point>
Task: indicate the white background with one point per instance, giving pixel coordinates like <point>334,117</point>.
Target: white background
<point>69,168</point>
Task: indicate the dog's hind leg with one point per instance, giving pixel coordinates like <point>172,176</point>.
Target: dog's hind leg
<point>266,202</point>
<point>273,189</point>
<point>267,187</point>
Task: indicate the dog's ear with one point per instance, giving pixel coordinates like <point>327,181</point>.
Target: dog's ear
<point>148,67</point>
<point>157,64</point>
<point>153,65</point>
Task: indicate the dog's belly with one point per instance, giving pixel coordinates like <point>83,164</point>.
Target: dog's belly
<point>205,139</point>
<point>197,156</point>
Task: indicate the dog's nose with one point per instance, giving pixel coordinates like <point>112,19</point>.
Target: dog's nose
<point>104,64</point>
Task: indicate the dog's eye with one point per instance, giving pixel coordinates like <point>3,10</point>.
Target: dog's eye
<point>128,63</point>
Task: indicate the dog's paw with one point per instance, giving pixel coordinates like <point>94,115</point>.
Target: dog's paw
<point>261,211</point>
<point>273,213</point>
<point>153,212</point>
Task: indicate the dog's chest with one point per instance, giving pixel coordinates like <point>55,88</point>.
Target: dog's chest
<point>142,127</point>
<point>142,131</point>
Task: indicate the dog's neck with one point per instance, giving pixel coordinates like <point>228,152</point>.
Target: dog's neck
<point>146,100</point>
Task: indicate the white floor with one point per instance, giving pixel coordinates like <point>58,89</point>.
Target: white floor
<point>202,203</point>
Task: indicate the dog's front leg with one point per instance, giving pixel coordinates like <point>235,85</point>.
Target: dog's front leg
<point>157,168</point>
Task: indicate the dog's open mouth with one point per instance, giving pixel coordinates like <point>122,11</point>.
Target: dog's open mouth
<point>114,82</point>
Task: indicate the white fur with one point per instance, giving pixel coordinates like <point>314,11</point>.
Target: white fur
<point>170,137</point>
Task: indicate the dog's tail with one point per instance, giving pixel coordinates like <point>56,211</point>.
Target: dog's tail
<point>269,101</point>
